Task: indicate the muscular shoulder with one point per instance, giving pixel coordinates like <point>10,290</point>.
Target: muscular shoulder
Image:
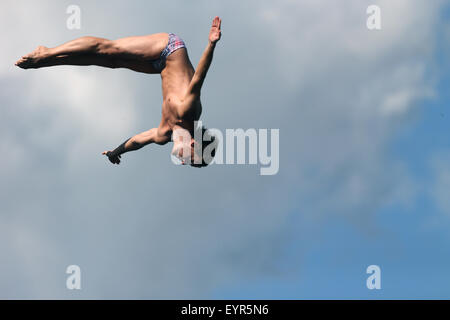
<point>162,135</point>
<point>190,107</point>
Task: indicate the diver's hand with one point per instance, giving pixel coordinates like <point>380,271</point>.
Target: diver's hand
<point>112,158</point>
<point>215,32</point>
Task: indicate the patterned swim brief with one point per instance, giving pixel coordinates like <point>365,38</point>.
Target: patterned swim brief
<point>174,44</point>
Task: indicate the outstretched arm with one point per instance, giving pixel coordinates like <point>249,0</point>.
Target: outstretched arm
<point>135,143</point>
<point>206,59</point>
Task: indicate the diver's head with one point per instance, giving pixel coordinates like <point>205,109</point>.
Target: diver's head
<point>192,152</point>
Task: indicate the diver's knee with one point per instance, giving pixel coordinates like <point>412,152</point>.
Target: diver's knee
<point>106,47</point>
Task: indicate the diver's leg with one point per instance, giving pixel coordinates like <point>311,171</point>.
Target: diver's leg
<point>67,53</point>
<point>133,52</point>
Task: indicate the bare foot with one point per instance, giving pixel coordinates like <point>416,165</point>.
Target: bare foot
<point>115,160</point>
<point>33,59</point>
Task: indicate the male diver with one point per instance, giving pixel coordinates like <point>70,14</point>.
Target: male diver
<point>160,53</point>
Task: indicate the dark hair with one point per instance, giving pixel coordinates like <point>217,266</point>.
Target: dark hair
<point>205,143</point>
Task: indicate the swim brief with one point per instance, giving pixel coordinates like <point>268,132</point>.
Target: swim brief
<point>174,44</point>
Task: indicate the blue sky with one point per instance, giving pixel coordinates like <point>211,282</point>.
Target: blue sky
<point>411,243</point>
<point>364,156</point>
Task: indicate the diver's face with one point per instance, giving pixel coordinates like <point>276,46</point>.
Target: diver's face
<point>185,152</point>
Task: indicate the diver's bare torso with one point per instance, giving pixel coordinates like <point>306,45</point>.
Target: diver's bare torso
<point>176,109</point>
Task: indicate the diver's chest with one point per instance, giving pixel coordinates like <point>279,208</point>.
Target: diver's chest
<point>173,108</point>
